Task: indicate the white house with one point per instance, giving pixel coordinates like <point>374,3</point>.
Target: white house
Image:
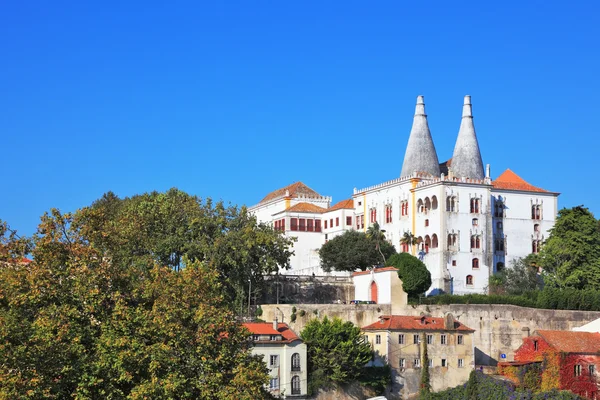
<point>285,355</point>
<point>468,225</point>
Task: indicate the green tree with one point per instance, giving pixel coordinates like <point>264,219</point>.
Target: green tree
<point>522,277</point>
<point>337,352</point>
<point>353,250</point>
<point>76,324</point>
<point>472,386</point>
<point>425,385</point>
<point>416,279</point>
<point>163,228</point>
<point>571,255</point>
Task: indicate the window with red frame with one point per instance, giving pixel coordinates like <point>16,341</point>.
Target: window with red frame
<point>337,221</point>
<point>348,221</point>
<point>373,213</point>
<point>302,223</point>
<point>325,224</point>
<point>475,263</point>
<point>310,225</point>
<point>294,224</point>
<point>318,225</point>
<point>388,214</point>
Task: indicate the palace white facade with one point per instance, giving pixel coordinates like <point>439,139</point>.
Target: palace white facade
<point>468,225</point>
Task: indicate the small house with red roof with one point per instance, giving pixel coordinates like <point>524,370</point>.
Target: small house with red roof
<point>285,355</point>
<point>400,340</point>
<point>568,360</point>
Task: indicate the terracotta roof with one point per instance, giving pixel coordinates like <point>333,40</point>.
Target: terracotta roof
<point>294,190</point>
<point>510,181</point>
<point>306,208</point>
<point>376,271</point>
<point>266,328</point>
<point>349,203</point>
<point>572,342</point>
<point>403,323</point>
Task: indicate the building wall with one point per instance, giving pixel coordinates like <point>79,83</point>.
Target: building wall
<point>284,370</point>
<point>406,380</point>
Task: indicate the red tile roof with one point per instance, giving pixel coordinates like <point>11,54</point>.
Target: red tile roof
<point>306,208</point>
<point>294,190</point>
<point>266,328</point>
<point>408,323</point>
<point>510,181</point>
<point>376,271</point>
<point>349,203</point>
<point>572,342</point>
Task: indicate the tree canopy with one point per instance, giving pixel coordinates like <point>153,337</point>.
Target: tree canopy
<point>521,278</point>
<point>354,250</point>
<point>415,276</point>
<point>337,352</point>
<point>132,299</point>
<point>571,254</point>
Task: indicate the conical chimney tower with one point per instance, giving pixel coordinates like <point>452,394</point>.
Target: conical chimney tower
<point>420,153</point>
<point>466,160</point>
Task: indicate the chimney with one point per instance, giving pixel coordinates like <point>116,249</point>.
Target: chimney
<point>487,170</point>
<point>275,324</point>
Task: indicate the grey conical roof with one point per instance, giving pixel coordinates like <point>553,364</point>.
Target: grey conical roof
<point>466,160</point>
<point>420,153</point>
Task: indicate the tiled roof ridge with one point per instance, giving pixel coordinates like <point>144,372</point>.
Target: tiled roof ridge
<point>413,323</point>
<point>347,203</point>
<point>293,190</point>
<point>266,328</point>
<point>306,207</point>
<point>376,270</point>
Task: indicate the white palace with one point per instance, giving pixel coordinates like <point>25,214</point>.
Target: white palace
<point>468,225</point>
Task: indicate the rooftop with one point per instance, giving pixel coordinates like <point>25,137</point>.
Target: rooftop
<point>413,323</point>
<point>376,270</point>
<point>349,203</point>
<point>266,328</point>
<point>572,342</point>
<point>508,180</point>
<point>305,208</point>
<point>294,190</point>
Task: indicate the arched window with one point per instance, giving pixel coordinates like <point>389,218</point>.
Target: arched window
<point>448,203</point>
<point>499,266</point>
<point>420,242</point>
<point>427,243</point>
<point>475,263</point>
<point>295,362</point>
<point>427,203</point>
<point>469,280</point>
<point>434,241</point>
<point>535,246</point>
<point>434,203</point>
<point>374,292</point>
<point>475,222</point>
<point>420,207</point>
<point>475,205</point>
<point>498,225</point>
<point>296,385</point>
<point>536,227</point>
<point>449,240</point>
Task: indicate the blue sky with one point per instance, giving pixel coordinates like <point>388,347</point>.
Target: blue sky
<point>232,100</point>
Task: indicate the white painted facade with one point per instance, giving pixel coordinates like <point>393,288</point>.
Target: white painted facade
<point>468,228</point>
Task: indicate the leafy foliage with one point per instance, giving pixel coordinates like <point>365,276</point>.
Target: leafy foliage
<point>86,320</point>
<point>164,228</point>
<point>571,255</point>
<point>521,278</point>
<point>483,387</point>
<point>425,385</point>
<point>354,250</point>
<point>337,352</point>
<point>415,276</point>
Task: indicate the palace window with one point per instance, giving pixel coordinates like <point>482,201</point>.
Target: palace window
<point>404,247</point>
<point>402,363</point>
<point>416,339</point>
<point>535,246</point>
<point>429,339</point>
<point>404,208</point>
<point>452,237</point>
<point>426,222</point>
<point>401,339</point>
<point>451,204</point>
<point>475,263</point>
<point>360,221</point>
<point>461,363</point>
<point>499,266</point>
<point>498,209</point>
<point>443,339</point>
<point>373,214</point>
<point>302,223</point>
<point>499,244</point>
<point>475,205</point>
<point>475,242</point>
<point>388,213</point>
<point>536,211</point>
<point>498,225</point>
<point>459,339</point>
<point>417,363</point>
<point>377,339</point>
<point>337,221</point>
<point>331,223</point>
<point>317,225</point>
<point>325,224</point>
<point>310,225</point>
<point>434,241</point>
<point>348,221</point>
<point>294,224</point>
<point>475,222</point>
<point>536,228</point>
<point>427,243</point>
<point>469,280</point>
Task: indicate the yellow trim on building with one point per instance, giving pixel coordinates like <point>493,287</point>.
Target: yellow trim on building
<point>287,203</point>
<point>414,183</point>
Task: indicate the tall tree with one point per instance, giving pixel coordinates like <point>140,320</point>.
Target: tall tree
<point>353,250</point>
<point>415,276</point>
<point>337,352</point>
<point>425,386</point>
<point>409,239</point>
<point>375,233</point>
<point>76,324</point>
<point>571,254</point>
